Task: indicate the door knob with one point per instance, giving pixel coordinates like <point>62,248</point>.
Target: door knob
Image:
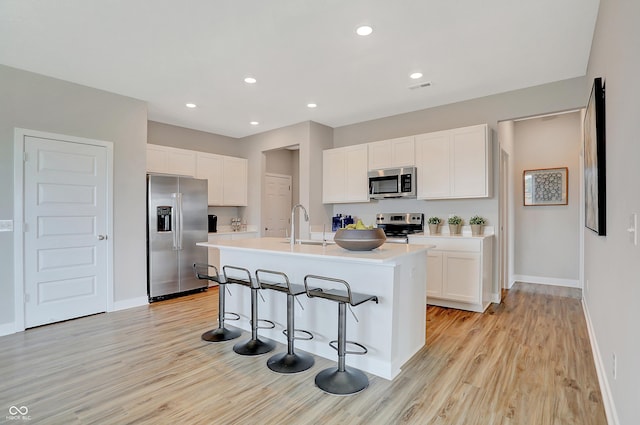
<point>102,237</point>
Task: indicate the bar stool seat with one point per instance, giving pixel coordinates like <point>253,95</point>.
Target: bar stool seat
<point>254,346</point>
<point>342,380</point>
<point>289,362</point>
<point>221,333</point>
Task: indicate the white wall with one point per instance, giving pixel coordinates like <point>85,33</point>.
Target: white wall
<point>547,237</point>
<point>37,102</point>
<point>612,262</point>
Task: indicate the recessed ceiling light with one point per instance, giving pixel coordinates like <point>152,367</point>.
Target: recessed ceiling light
<point>190,105</point>
<point>250,80</point>
<point>254,123</point>
<point>364,30</point>
<point>311,105</point>
<point>416,75</point>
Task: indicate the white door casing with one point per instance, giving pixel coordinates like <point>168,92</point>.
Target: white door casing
<point>63,203</point>
<point>278,205</point>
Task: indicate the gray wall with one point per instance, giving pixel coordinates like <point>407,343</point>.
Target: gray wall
<point>37,102</point>
<point>612,263</point>
<point>547,243</point>
<point>186,138</point>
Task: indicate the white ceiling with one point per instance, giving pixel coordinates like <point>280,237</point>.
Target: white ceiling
<point>170,52</point>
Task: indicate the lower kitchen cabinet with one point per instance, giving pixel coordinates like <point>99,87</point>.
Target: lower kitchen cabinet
<point>459,271</point>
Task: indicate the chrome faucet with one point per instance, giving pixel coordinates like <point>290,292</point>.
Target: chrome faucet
<point>293,217</point>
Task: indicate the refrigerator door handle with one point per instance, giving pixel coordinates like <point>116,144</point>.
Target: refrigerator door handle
<point>174,221</point>
<point>179,209</point>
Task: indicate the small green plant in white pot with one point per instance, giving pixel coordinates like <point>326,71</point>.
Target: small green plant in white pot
<point>455,222</point>
<point>476,223</point>
<point>434,222</point>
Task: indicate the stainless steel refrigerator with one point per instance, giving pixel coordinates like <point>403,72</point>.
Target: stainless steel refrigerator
<point>176,220</point>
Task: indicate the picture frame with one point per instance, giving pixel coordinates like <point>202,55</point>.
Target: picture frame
<point>595,160</point>
<point>546,186</point>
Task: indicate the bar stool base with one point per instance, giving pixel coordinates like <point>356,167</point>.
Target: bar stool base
<point>290,363</point>
<point>254,347</point>
<point>348,382</point>
<point>221,334</point>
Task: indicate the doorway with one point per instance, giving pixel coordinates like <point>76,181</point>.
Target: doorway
<point>277,206</point>
<point>63,203</point>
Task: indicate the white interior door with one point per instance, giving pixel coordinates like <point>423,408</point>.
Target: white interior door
<point>65,224</point>
<point>278,205</point>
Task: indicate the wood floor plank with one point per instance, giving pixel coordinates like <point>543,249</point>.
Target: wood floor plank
<point>526,360</point>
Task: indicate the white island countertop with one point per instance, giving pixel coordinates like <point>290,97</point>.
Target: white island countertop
<point>386,253</point>
<point>393,330</point>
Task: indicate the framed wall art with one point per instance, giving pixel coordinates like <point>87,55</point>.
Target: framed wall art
<point>546,186</point>
<point>594,161</point>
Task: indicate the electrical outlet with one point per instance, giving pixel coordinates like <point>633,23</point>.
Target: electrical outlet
<point>615,366</point>
<point>6,225</point>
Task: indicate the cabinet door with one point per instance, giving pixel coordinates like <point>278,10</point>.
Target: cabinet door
<point>182,162</point>
<point>234,189</point>
<point>333,176</point>
<point>469,150</point>
<point>157,159</point>
<point>356,183</point>
<point>432,162</point>
<point>379,155</point>
<point>403,152</point>
<point>461,276</point>
<point>209,167</point>
<point>434,274</point>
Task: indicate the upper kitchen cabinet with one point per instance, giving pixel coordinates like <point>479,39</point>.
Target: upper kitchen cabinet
<point>454,163</point>
<point>344,175</point>
<point>394,153</point>
<point>227,177</point>
<point>168,160</point>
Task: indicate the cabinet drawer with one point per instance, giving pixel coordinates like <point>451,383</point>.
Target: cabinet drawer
<point>449,244</point>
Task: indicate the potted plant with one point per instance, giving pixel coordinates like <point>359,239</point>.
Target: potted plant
<point>434,222</point>
<point>454,224</point>
<point>476,223</point>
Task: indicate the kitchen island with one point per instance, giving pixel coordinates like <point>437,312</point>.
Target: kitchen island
<point>392,330</point>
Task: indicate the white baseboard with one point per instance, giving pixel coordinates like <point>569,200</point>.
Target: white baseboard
<point>130,303</point>
<point>7,328</point>
<point>605,390</point>
<point>495,298</point>
<point>572,283</point>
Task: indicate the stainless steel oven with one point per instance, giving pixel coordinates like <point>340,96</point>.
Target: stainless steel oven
<point>398,226</point>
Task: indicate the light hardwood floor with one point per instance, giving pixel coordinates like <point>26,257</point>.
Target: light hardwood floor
<point>525,361</point>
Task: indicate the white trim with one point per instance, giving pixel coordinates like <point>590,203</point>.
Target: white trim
<point>496,298</point>
<point>605,390</point>
<point>554,281</point>
<point>18,214</point>
<point>7,328</point>
<point>130,303</point>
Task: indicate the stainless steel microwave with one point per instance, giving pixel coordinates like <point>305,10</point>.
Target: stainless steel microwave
<point>392,183</point>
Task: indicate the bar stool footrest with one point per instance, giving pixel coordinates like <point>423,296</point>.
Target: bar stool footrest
<point>271,324</point>
<point>347,382</point>
<point>308,336</point>
<point>233,316</point>
<point>334,345</point>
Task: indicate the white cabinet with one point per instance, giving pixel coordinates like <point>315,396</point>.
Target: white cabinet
<point>344,175</point>
<point>168,160</point>
<point>394,153</point>
<point>234,182</point>
<point>459,271</point>
<point>227,178</point>
<point>454,163</point>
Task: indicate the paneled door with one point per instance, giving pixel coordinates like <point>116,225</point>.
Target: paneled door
<point>278,205</point>
<point>65,225</point>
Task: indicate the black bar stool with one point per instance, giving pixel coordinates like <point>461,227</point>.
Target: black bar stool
<point>289,362</point>
<point>220,333</point>
<point>255,345</point>
<point>342,380</point>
